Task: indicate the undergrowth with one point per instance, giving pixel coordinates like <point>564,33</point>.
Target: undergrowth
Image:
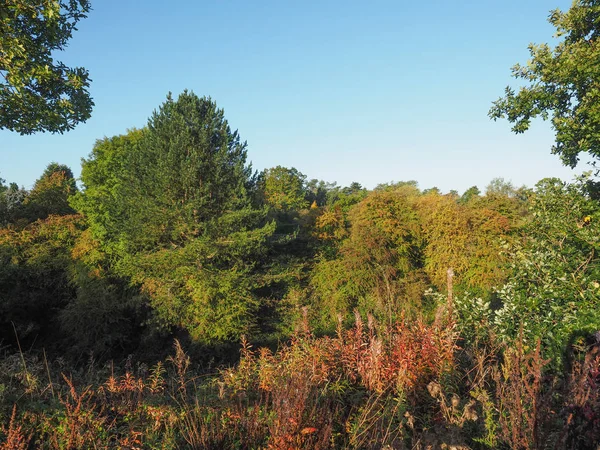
<point>407,385</point>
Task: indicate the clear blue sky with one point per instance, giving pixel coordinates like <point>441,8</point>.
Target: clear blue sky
<point>367,91</point>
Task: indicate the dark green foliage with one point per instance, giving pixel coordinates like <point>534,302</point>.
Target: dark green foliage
<point>34,277</point>
<point>169,204</point>
<point>319,192</point>
<point>158,187</point>
<point>190,162</point>
<point>106,314</point>
<point>38,93</point>
<point>471,193</point>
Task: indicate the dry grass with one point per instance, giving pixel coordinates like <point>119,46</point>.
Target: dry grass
<point>408,385</point>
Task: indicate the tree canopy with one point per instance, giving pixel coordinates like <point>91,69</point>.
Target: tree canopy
<point>159,186</point>
<point>562,83</point>
<point>283,188</point>
<point>170,204</point>
<point>38,93</point>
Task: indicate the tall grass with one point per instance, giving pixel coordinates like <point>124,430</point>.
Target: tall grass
<point>400,386</point>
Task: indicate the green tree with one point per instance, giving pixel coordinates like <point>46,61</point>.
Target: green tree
<point>469,194</point>
<point>318,191</point>
<point>284,189</point>
<point>554,293</point>
<point>105,200</point>
<point>170,206</point>
<point>377,263</point>
<point>34,276</point>
<point>562,83</point>
<point>354,188</point>
<point>433,190</point>
<point>159,187</point>
<point>38,93</point>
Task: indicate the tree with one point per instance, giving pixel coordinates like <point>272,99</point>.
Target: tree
<point>395,185</point>
<point>469,194</point>
<point>169,203</point>
<point>563,82</point>
<point>554,292</point>
<point>34,276</point>
<point>467,237</point>
<point>500,187</point>
<point>11,203</point>
<point>376,267</point>
<point>160,186</point>
<point>51,193</point>
<point>318,191</point>
<point>354,187</point>
<point>38,93</point>
<point>434,190</point>
<point>104,175</point>
<point>283,188</point>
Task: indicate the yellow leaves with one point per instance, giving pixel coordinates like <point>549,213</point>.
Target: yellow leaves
<point>51,9</point>
<point>465,237</point>
<point>55,231</point>
<point>331,224</point>
<point>84,245</point>
<point>587,220</point>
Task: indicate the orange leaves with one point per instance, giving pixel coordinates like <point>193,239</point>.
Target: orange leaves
<point>302,383</point>
<point>330,224</point>
<point>15,437</point>
<point>44,241</point>
<point>420,353</point>
<point>407,355</point>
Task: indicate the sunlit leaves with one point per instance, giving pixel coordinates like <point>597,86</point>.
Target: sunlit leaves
<point>562,83</point>
<point>466,237</point>
<point>34,273</point>
<point>38,93</point>
<point>283,188</point>
<point>169,205</point>
<point>553,291</point>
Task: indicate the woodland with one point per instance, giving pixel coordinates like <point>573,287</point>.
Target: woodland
<point>172,297</point>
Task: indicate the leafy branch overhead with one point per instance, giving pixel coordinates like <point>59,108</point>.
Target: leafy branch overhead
<point>38,93</point>
<point>561,83</point>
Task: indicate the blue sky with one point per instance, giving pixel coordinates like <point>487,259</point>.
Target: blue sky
<point>368,91</point>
